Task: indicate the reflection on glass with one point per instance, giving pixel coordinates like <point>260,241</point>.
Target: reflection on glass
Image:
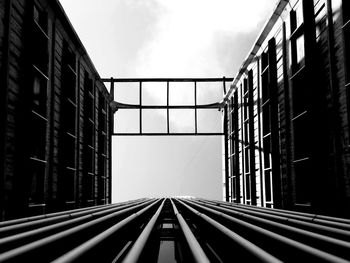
<point>300,49</point>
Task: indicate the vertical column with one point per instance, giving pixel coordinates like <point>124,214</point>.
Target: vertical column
<point>195,108</point>
<point>227,199</point>
<point>111,131</point>
<point>140,102</point>
<point>167,109</point>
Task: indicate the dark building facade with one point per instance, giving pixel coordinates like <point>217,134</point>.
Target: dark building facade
<point>288,112</point>
<point>55,114</point>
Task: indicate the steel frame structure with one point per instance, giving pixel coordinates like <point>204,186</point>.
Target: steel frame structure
<point>140,106</point>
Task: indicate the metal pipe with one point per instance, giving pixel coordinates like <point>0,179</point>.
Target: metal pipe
<point>337,246</point>
<point>79,251</point>
<point>38,217</point>
<point>287,212</point>
<point>251,248</point>
<point>136,250</point>
<point>23,251</point>
<point>307,250</point>
<point>25,237</point>
<point>196,250</point>
<point>34,218</point>
<point>31,224</point>
<point>336,225</point>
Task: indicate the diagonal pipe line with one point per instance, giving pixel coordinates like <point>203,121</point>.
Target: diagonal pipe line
<point>308,250</point>
<point>39,217</point>
<point>31,224</point>
<point>337,246</point>
<point>19,239</point>
<point>304,223</point>
<point>79,251</point>
<point>134,254</point>
<point>195,248</point>
<point>337,222</point>
<point>248,246</point>
<point>23,251</point>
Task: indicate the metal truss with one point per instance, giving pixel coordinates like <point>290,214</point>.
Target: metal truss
<point>116,105</point>
<point>175,230</point>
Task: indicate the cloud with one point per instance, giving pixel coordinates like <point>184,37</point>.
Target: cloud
<point>199,38</point>
<point>184,41</point>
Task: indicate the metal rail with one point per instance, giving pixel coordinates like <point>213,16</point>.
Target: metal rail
<point>58,240</point>
<point>183,229</point>
<point>134,255</point>
<point>196,250</point>
<point>91,244</point>
<point>71,220</point>
<point>336,230</point>
<point>56,218</point>
<point>265,237</point>
<point>325,243</point>
<point>258,253</point>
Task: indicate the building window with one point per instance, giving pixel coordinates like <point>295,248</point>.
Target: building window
<point>270,131</point>
<point>38,104</point>
<point>300,92</point>
<point>234,149</point>
<point>102,148</point>
<point>68,124</point>
<point>297,40</point>
<point>346,34</point>
<point>89,141</point>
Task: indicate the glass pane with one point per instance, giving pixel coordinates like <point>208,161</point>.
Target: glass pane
<point>127,121</point>
<point>181,121</point>
<point>210,92</point>
<point>209,120</point>
<point>154,120</point>
<point>154,93</point>
<point>127,92</point>
<point>300,49</point>
<point>181,93</point>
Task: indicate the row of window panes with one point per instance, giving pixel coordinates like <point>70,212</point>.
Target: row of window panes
<point>38,104</point>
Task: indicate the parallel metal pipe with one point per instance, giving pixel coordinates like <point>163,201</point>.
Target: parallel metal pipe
<point>39,217</point>
<point>32,224</point>
<point>328,243</point>
<point>78,252</point>
<point>286,212</point>
<point>335,222</point>
<point>248,246</point>
<point>308,250</point>
<point>196,250</point>
<point>22,251</point>
<point>136,250</point>
<point>314,227</point>
<point>19,239</point>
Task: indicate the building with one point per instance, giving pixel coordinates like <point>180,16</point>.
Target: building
<point>55,114</point>
<point>288,112</point>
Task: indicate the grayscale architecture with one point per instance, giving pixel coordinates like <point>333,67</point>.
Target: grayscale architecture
<point>55,114</point>
<point>288,112</point>
<point>286,143</point>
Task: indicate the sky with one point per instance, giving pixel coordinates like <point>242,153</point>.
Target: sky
<point>167,38</point>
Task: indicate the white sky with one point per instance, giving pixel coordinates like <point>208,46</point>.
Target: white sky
<point>168,38</point>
